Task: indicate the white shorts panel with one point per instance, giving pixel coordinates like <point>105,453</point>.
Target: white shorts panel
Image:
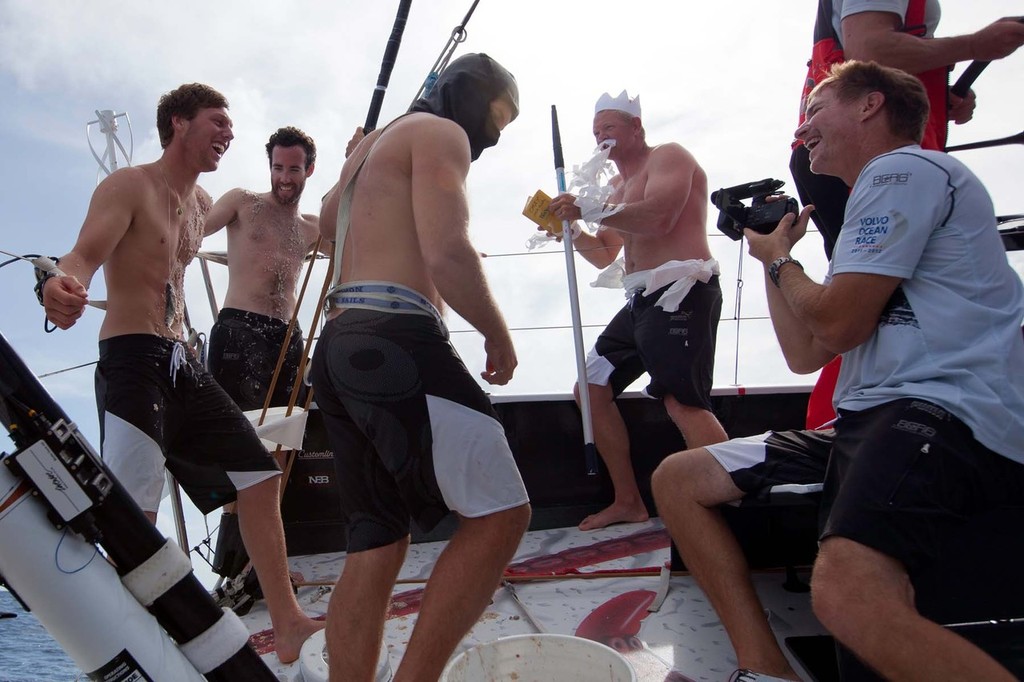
<point>740,453</point>
<point>135,459</point>
<point>599,370</point>
<point>473,464</point>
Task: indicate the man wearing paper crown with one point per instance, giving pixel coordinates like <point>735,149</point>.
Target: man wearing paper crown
<point>655,216</point>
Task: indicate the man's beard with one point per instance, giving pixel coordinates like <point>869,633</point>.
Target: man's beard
<point>294,199</point>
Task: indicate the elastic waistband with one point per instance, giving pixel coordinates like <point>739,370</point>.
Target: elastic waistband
<point>384,296</point>
<point>129,343</point>
<point>251,318</point>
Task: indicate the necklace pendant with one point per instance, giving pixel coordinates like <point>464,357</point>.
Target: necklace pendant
<point>179,210</point>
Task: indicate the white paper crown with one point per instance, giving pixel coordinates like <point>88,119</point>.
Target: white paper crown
<point>620,103</point>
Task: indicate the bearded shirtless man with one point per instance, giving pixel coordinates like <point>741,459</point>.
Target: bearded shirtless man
<point>656,216</point>
<point>267,241</point>
<point>158,407</point>
<point>415,435</point>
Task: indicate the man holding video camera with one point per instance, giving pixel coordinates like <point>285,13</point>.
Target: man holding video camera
<point>656,216</point>
<point>900,34</point>
<point>925,309</point>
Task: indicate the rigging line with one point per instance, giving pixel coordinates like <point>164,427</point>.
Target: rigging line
<point>66,369</point>
<point>457,36</point>
<point>594,248</point>
<point>539,253</point>
<point>736,313</point>
<point>602,325</point>
<point>454,331</point>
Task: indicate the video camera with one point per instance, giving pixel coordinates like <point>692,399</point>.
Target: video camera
<point>761,216</point>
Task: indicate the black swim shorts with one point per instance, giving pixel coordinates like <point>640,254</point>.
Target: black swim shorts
<point>677,349</point>
<point>413,434</point>
<point>243,352</point>
<point>158,407</point>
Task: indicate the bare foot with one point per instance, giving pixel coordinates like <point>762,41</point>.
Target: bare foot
<point>616,513</point>
<point>288,642</point>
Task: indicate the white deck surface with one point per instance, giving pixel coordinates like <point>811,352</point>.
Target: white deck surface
<point>684,636</point>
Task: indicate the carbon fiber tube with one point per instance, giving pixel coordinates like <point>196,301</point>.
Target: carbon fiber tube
<point>115,522</point>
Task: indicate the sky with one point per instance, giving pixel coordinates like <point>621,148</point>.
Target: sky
<point>721,79</point>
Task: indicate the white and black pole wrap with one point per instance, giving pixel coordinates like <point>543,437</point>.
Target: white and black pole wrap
<point>112,519</point>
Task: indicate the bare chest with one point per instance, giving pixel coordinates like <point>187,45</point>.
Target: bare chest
<point>165,236</point>
<point>631,189</point>
<point>269,230</point>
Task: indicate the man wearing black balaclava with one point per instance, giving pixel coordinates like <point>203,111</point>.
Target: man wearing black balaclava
<point>413,434</point>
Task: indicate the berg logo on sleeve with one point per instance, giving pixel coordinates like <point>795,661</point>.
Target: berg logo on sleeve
<point>886,179</point>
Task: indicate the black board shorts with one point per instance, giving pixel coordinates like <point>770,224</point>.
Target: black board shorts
<point>243,353</point>
<point>414,436</point>
<point>896,476</point>
<point>676,348</point>
<point>158,407</point>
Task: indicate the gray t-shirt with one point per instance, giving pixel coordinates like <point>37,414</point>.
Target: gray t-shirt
<point>951,333</point>
<point>842,9</point>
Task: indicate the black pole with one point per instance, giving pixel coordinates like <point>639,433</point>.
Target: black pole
<point>1012,139</point>
<point>386,65</point>
<point>556,141</point>
<point>967,78</point>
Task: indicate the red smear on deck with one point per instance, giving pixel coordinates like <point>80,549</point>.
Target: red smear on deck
<point>564,563</point>
<point>616,623</point>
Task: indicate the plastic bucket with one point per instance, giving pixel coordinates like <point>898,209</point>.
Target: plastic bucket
<point>314,666</point>
<point>539,658</point>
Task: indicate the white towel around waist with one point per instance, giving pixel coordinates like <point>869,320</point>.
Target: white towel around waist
<point>684,274</point>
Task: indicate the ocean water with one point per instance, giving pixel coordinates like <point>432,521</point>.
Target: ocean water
<point>27,652</point>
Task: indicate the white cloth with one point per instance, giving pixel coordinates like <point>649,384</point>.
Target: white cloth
<point>612,276</point>
<point>684,274</point>
<point>277,429</point>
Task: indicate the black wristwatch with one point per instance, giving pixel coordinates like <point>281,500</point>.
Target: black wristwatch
<point>773,269</point>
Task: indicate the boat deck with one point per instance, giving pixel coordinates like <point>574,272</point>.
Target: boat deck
<point>553,575</point>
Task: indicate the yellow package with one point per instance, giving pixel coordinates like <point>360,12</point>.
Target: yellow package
<point>536,209</point>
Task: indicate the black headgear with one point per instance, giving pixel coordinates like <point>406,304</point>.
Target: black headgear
<point>463,93</point>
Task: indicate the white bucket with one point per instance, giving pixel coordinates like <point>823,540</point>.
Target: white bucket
<point>314,666</point>
<point>539,658</point>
